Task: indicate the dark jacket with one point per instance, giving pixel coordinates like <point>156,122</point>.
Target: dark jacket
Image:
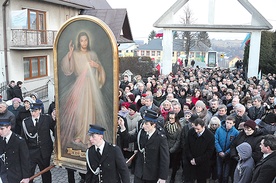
<point>17,92</point>
<point>155,165</point>
<point>158,100</point>
<point>8,115</point>
<point>239,119</point>
<point>43,128</point>
<point>267,128</point>
<point>22,114</point>
<point>201,149</point>
<point>254,141</point>
<point>10,92</point>
<point>16,160</point>
<point>265,170</point>
<point>112,164</point>
<point>173,138</point>
<point>254,113</point>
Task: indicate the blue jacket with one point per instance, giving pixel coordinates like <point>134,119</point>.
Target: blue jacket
<point>224,138</point>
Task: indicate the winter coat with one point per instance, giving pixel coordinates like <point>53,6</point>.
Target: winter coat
<point>239,119</point>
<point>265,170</point>
<point>267,128</point>
<point>173,133</point>
<point>244,170</point>
<point>254,113</point>
<point>254,140</point>
<point>201,149</point>
<point>224,138</point>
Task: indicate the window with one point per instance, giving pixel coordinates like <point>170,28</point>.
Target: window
<point>37,21</point>
<point>148,53</point>
<point>152,53</point>
<point>142,53</point>
<point>35,67</point>
<point>158,53</point>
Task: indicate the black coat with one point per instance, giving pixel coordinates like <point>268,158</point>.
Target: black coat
<point>254,140</point>
<point>155,165</point>
<point>17,92</point>
<point>265,170</point>
<point>44,143</point>
<point>112,164</point>
<point>16,159</point>
<point>201,149</point>
<point>22,114</point>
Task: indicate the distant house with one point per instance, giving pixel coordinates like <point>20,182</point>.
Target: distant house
<point>154,49</point>
<point>127,50</point>
<point>29,30</point>
<point>233,61</point>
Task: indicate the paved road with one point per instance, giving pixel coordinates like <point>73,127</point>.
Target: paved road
<point>59,175</point>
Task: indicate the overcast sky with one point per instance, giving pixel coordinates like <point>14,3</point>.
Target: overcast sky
<point>143,14</point>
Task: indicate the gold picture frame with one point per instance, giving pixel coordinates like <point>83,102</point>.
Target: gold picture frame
<point>86,87</point>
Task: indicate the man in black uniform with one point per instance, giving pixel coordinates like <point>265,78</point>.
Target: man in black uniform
<point>36,131</point>
<point>105,162</point>
<point>14,153</point>
<point>152,163</point>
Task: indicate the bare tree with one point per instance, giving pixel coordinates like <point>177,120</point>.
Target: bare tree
<point>188,36</point>
<point>192,39</point>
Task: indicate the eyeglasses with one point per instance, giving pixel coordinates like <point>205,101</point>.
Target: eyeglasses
<point>171,118</point>
<point>214,124</point>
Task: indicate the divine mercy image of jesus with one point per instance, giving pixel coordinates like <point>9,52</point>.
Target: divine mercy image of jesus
<point>81,103</point>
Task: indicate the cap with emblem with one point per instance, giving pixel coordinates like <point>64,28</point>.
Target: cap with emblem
<point>5,122</point>
<point>96,129</point>
<point>151,116</point>
<point>35,106</point>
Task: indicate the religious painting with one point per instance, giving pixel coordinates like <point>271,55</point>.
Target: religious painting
<point>86,86</point>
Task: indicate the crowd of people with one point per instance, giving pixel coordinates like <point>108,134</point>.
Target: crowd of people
<point>214,124</point>
<point>214,120</point>
<point>27,136</point>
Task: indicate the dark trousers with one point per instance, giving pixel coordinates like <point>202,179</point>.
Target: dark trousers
<point>201,180</point>
<point>71,175</point>
<point>223,168</point>
<point>138,180</point>
<point>37,159</point>
<point>175,159</point>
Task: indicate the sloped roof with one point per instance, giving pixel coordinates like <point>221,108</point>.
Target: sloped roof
<point>116,19</point>
<point>165,21</point>
<point>79,4</point>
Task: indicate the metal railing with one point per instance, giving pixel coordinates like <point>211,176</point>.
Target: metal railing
<point>42,91</point>
<point>31,38</point>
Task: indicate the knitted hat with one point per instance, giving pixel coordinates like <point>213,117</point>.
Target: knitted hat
<point>133,107</point>
<point>16,100</point>
<point>29,99</point>
<point>250,123</point>
<point>125,104</point>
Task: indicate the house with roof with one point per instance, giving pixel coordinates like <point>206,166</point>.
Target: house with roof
<point>127,50</point>
<point>154,49</point>
<point>28,33</point>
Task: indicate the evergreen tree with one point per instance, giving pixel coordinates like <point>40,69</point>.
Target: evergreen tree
<point>152,35</point>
